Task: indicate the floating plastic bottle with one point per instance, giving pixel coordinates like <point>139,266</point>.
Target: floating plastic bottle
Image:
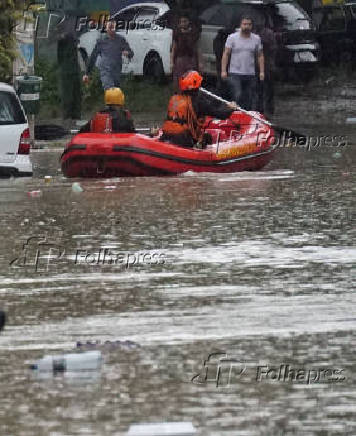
<point>88,361</point>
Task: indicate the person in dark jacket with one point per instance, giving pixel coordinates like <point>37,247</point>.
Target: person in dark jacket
<point>266,88</point>
<point>187,110</point>
<point>110,49</point>
<point>219,46</point>
<point>185,54</point>
<point>119,120</point>
<point>68,71</point>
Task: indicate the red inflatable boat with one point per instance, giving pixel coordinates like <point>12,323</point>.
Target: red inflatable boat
<point>240,143</point>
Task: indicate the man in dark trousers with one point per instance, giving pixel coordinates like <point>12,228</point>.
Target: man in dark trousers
<point>266,88</point>
<point>218,47</point>
<point>110,49</point>
<point>242,48</point>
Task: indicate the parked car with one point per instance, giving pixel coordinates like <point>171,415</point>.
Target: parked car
<point>336,32</point>
<point>297,47</point>
<point>14,135</point>
<point>150,41</point>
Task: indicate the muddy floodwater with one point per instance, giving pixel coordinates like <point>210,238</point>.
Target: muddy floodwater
<point>235,295</point>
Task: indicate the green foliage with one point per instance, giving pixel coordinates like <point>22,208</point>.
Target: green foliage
<point>49,72</point>
<point>140,95</point>
<point>10,11</point>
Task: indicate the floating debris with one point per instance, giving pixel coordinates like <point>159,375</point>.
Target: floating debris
<point>34,193</point>
<point>163,429</point>
<point>108,344</point>
<point>351,120</point>
<point>77,188</point>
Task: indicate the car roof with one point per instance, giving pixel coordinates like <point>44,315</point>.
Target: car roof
<point>253,2</point>
<point>6,87</point>
<point>234,2</point>
<point>161,6</point>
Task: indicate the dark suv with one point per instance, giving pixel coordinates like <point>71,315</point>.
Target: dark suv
<point>336,32</point>
<point>297,48</point>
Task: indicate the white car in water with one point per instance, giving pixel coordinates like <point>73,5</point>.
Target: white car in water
<point>14,135</point>
<point>150,40</point>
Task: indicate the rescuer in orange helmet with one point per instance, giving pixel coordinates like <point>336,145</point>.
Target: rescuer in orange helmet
<point>187,110</point>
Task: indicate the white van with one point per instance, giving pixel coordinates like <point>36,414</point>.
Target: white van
<point>14,135</point>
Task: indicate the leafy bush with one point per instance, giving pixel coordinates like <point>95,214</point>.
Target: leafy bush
<point>48,71</point>
<point>10,11</point>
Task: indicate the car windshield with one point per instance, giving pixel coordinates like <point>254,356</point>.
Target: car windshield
<point>228,15</point>
<point>290,16</point>
<point>10,110</point>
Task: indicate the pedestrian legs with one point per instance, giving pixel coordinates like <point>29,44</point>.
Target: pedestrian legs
<point>234,82</point>
<point>109,78</point>
<point>249,86</point>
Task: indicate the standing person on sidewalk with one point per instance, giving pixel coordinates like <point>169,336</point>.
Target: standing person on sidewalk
<point>219,46</point>
<point>266,88</point>
<point>68,71</point>
<point>185,55</point>
<point>243,47</point>
<point>110,49</point>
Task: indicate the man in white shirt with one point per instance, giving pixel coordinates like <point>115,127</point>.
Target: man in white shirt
<point>243,48</point>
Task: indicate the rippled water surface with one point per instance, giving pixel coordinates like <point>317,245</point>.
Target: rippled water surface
<point>255,266</point>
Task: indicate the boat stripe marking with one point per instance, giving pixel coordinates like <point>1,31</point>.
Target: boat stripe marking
<point>120,148</point>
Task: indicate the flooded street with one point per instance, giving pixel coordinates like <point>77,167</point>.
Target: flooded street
<point>256,267</point>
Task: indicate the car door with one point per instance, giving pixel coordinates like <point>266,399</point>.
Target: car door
<point>12,124</point>
<point>146,37</point>
<point>126,27</point>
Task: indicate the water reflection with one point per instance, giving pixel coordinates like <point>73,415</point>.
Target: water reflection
<point>257,266</point>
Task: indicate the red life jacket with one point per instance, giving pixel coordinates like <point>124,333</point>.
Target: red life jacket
<point>101,123</point>
<point>181,118</point>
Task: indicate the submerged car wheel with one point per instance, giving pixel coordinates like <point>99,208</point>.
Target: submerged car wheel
<point>153,68</point>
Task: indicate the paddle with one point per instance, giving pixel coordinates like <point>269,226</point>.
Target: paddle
<point>139,130</point>
<point>292,133</point>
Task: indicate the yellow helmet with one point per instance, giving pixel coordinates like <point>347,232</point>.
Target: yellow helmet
<point>114,96</point>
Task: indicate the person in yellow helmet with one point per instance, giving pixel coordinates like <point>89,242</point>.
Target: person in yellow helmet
<point>114,118</point>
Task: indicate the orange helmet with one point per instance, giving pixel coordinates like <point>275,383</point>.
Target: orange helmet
<point>190,80</point>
